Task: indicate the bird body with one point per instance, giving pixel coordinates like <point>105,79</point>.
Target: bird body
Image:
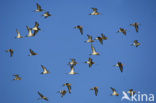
<point>95,12</point>
<point>46,14</point>
<point>11,51</point>
<point>122,30</point>
<point>17,77</point>
<point>136,43</point>
<point>90,39</point>
<point>90,62</point>
<point>68,86</point>
<point>45,71</point>
<point>95,89</point>
<point>80,28</point>
<point>114,92</point>
<point>18,34</point>
<point>94,51</point>
<point>39,9</point>
<point>73,62</point>
<point>30,34</point>
<point>62,92</point>
<point>32,53</point>
<point>136,25</point>
<point>42,96</point>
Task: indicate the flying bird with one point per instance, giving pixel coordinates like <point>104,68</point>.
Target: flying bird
<point>18,34</point>
<point>120,65</point>
<point>32,52</point>
<point>90,62</point>
<point>17,77</point>
<point>80,28</point>
<point>100,39</point>
<point>30,34</point>
<point>73,62</point>
<point>136,25</point>
<point>94,51</point>
<point>131,92</point>
<point>45,71</point>
<point>39,9</point>
<point>46,14</point>
<point>62,92</point>
<point>122,30</point>
<point>68,86</point>
<point>95,89</point>
<point>42,96</point>
<point>11,51</point>
<point>104,37</point>
<point>136,43</point>
<point>95,12</point>
<point>36,28</point>
<point>90,39</point>
<point>114,92</point>
<point>72,71</point>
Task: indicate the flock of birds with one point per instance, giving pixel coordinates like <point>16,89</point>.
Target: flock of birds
<point>33,31</point>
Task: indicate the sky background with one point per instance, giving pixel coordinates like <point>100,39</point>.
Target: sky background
<point>58,41</point>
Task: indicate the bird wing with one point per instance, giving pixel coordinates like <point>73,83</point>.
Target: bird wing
<point>38,6</point>
<point>11,52</point>
<point>100,40</point>
<point>44,68</point>
<point>121,67</point>
<point>81,30</point>
<point>96,91</point>
<point>113,89</point>
<point>93,49</point>
<point>41,95</point>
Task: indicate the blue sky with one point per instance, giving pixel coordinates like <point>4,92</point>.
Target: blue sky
<point>58,41</point>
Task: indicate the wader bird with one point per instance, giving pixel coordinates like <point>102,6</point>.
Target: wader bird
<point>122,30</point>
<point>100,39</point>
<point>114,92</point>
<point>94,51</point>
<point>136,43</point>
<point>136,25</point>
<point>68,86</point>
<point>18,34</point>
<point>80,28</point>
<point>95,89</point>
<point>131,92</point>
<point>45,71</point>
<point>120,65</point>
<point>32,53</point>
<point>104,37</point>
<point>72,71</point>
<point>73,62</point>
<point>11,51</point>
<point>95,12</point>
<point>62,92</point>
<point>90,62</point>
<point>17,77</point>
<point>90,39</point>
<point>39,9</point>
<point>46,14</point>
<point>30,34</point>
<point>42,96</point>
<point>36,28</point>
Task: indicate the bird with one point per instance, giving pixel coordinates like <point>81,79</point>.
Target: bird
<point>100,39</point>
<point>11,52</point>
<point>39,9</point>
<point>46,14</point>
<point>95,89</point>
<point>32,52</point>
<point>80,28</point>
<point>42,96</point>
<point>45,71</point>
<point>95,12</point>
<point>94,51</point>
<point>73,62</point>
<point>18,34</point>
<point>68,86</point>
<point>17,77</point>
<point>123,31</point>
<point>131,92</point>
<point>90,40</point>
<point>136,43</point>
<point>114,92</point>
<point>72,71</point>
<point>136,25</point>
<point>120,65</point>
<point>36,28</point>
<point>104,37</point>
<point>90,62</point>
<point>62,92</point>
<point>30,34</point>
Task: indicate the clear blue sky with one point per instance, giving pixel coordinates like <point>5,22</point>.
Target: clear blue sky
<point>57,42</point>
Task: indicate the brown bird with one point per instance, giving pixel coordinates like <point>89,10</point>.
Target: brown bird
<point>18,34</point>
<point>36,28</point>
<point>39,9</point>
<point>46,14</point>
<point>80,28</point>
<point>90,39</point>
<point>136,43</point>
<point>95,89</point>
<point>136,25</point>
<point>72,71</point>
<point>62,92</point>
<point>45,71</point>
<point>73,62</point>
<point>94,51</point>
<point>104,37</point>
<point>17,77</point>
<point>131,92</point>
<point>114,92</point>
<point>32,53</point>
<point>90,62</point>
<point>68,86</point>
<point>120,65</point>
<point>95,12</point>
<point>42,96</point>
<point>11,51</point>
<point>123,31</point>
<point>100,39</point>
<point>30,34</point>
